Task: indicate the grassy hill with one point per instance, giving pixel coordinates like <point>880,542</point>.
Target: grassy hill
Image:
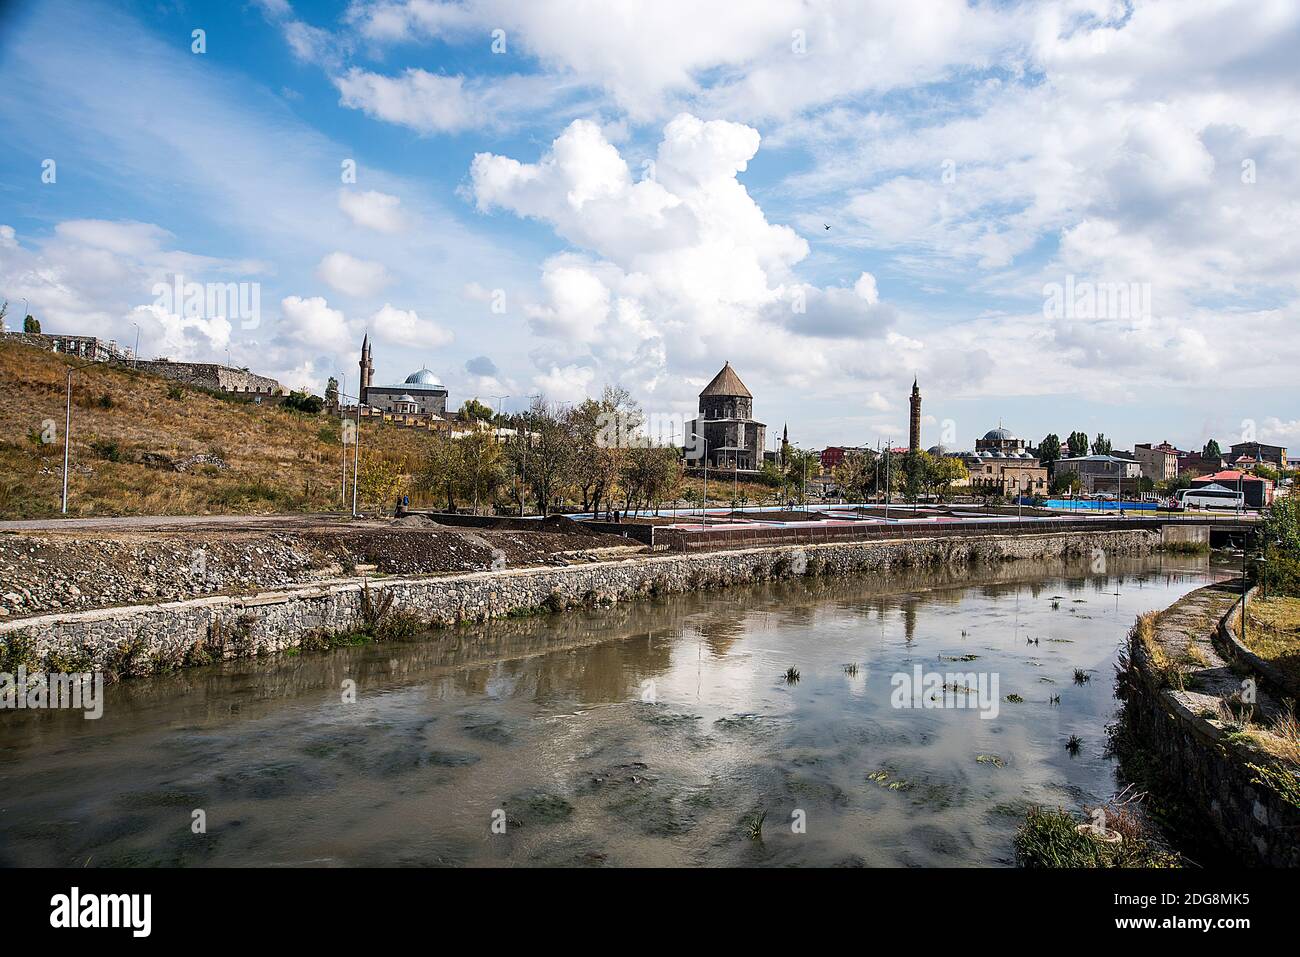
<point>131,432</point>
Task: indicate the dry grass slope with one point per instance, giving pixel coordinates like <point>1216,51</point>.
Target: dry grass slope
<point>128,427</point>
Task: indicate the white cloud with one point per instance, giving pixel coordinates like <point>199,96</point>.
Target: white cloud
<point>181,338</point>
<point>403,327</point>
<point>676,268</point>
<point>97,277</point>
<point>123,238</point>
<point>425,102</point>
<point>352,276</point>
<point>311,322</point>
<point>572,383</point>
<point>373,210</point>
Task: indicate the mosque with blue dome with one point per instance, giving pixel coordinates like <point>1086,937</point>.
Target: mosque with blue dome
<point>420,394</point>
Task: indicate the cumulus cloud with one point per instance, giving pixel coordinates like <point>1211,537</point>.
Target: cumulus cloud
<point>404,327</point>
<point>481,366</point>
<point>181,337</point>
<point>675,267</point>
<point>313,323</point>
<point>373,210</point>
<point>352,276</point>
<point>97,277</point>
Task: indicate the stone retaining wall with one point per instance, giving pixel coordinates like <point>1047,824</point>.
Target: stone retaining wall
<point>1204,769</point>
<point>144,639</point>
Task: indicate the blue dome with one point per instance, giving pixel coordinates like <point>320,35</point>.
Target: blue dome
<point>423,377</point>
<point>993,435</point>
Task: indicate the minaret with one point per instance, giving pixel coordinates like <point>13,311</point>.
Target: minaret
<point>785,444</point>
<point>367,369</point>
<point>914,433</point>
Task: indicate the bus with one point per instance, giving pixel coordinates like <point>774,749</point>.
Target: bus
<point>1211,496</point>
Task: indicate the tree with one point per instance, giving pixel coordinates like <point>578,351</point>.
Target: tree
<point>475,410</point>
<point>1066,482</point>
<point>479,466</point>
<point>300,401</point>
<point>1077,444</point>
<point>916,468</point>
<point>801,465</point>
<point>1167,487</point>
<point>442,469</point>
<point>1280,570</point>
<point>1101,445</point>
<point>600,429</point>
<point>856,475</point>
<point>542,454</point>
<point>31,324</point>
<point>770,475</point>
<point>945,470</point>
<point>379,480</point>
<point>1212,450</point>
<point>1049,450</point>
<point>648,473</point>
<point>332,393</point>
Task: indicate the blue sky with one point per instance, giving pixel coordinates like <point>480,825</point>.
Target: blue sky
<point>634,193</point>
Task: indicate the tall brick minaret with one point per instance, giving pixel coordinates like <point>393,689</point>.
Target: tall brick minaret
<point>367,368</point>
<point>914,433</point>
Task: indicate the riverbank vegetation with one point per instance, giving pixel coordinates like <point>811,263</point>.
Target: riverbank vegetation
<point>1058,839</point>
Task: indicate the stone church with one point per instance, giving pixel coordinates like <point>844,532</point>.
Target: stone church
<point>735,439</point>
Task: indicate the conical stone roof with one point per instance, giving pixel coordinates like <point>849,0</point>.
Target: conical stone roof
<point>727,383</point>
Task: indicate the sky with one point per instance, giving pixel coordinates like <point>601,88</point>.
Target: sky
<point>1058,215</point>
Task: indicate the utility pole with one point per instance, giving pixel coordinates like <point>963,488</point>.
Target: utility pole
<point>356,457</point>
<point>67,428</point>
<point>135,353</point>
<point>343,436</point>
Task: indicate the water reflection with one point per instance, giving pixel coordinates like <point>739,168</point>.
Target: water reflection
<point>644,733</point>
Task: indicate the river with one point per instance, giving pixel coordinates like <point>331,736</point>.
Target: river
<point>648,733</point>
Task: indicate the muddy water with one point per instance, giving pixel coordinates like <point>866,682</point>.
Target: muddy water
<point>650,733</point>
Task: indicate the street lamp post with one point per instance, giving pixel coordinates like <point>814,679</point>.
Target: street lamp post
<point>528,440</point>
<point>135,352</point>
<point>67,428</point>
<point>889,484</point>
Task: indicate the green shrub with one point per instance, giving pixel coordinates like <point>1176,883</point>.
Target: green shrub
<point>106,449</point>
<point>1279,573</point>
<point>303,402</point>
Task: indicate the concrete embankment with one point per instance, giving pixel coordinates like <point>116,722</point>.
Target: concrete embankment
<point>146,639</point>
<point>1197,728</point>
